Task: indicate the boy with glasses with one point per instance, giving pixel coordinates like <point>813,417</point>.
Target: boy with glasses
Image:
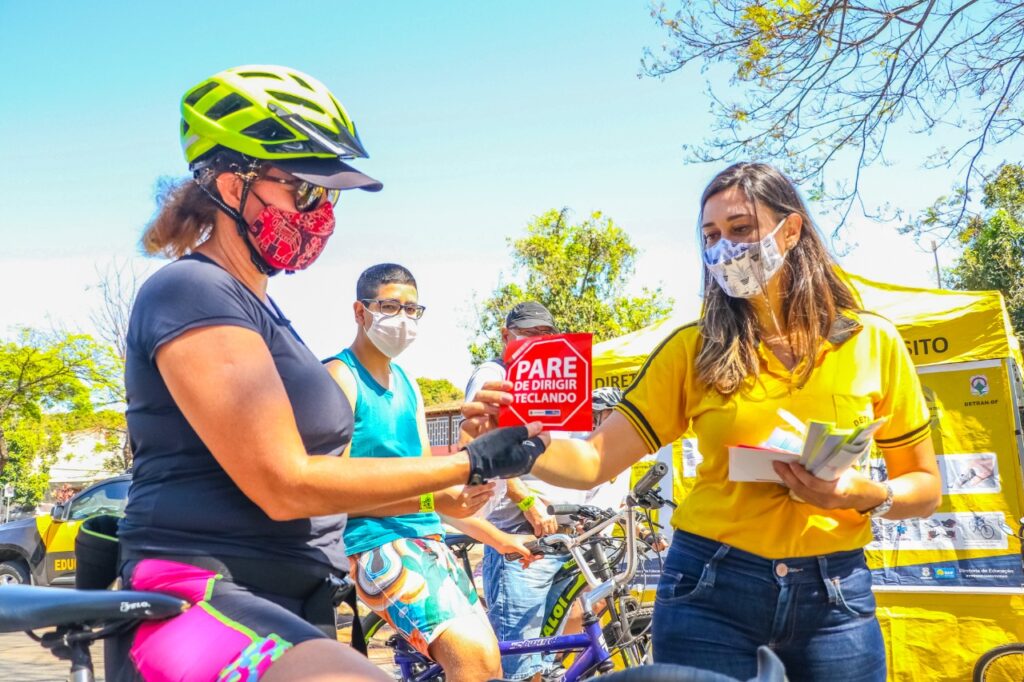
<point>400,564</point>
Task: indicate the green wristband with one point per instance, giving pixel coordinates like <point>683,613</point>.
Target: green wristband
<point>526,503</point>
<point>427,502</point>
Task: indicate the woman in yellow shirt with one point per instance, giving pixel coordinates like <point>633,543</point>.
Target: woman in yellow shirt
<point>779,336</point>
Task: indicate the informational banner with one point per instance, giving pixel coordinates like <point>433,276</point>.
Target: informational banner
<point>970,542</point>
<point>551,379</point>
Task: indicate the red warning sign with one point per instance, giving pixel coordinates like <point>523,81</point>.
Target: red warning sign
<point>551,380</point>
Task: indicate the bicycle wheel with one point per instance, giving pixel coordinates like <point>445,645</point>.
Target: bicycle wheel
<point>661,672</point>
<point>1002,664</point>
<point>987,531</point>
<point>630,633</point>
<point>381,641</point>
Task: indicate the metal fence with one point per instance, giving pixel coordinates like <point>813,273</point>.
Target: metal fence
<point>443,429</point>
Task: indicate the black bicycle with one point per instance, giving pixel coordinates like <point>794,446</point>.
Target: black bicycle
<point>79,617</point>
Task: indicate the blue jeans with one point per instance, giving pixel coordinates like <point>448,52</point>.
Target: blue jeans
<point>716,604</point>
<point>518,600</point>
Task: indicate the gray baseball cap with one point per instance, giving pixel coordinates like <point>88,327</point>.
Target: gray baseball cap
<point>529,314</point>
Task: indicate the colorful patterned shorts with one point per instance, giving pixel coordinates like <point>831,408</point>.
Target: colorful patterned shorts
<point>417,586</point>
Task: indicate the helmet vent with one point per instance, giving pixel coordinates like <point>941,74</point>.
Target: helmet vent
<point>184,127</point>
<point>259,74</point>
<point>302,82</point>
<point>301,101</point>
<point>229,105</point>
<point>341,112</point>
<point>199,92</point>
<point>268,129</point>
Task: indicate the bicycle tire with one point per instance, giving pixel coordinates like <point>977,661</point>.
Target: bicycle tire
<point>379,633</point>
<point>662,672</point>
<point>637,641</point>
<point>371,624</point>
<point>1004,662</point>
<point>987,532</point>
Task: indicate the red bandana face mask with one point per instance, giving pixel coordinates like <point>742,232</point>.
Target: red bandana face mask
<point>290,240</point>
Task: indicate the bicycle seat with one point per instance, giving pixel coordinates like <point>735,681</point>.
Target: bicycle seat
<point>24,607</point>
<point>456,539</point>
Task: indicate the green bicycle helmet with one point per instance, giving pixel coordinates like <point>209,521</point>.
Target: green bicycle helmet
<point>276,114</point>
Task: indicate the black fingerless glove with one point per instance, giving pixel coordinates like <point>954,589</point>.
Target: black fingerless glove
<point>503,453</point>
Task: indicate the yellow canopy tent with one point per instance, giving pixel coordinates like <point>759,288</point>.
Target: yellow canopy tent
<point>949,587</point>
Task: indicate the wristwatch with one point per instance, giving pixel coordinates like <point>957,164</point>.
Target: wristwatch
<point>884,506</point>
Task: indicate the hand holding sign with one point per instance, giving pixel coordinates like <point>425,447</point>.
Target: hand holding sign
<point>551,380</point>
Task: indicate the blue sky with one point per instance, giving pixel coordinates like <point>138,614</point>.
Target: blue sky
<point>477,117</point>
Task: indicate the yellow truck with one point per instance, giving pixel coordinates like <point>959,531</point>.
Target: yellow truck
<point>41,551</point>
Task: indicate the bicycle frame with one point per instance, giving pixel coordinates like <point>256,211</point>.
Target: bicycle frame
<point>594,648</point>
<point>591,641</point>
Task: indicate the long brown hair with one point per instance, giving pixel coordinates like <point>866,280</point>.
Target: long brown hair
<point>184,219</point>
<point>812,293</point>
<point>186,210</point>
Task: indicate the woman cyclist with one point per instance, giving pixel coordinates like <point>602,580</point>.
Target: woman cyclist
<point>780,334</point>
<point>226,404</point>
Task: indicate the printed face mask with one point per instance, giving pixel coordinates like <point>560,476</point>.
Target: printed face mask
<point>391,335</point>
<point>743,268</point>
<point>290,240</point>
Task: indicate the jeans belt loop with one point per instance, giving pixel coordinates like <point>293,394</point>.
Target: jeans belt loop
<point>831,586</point>
<point>712,565</point>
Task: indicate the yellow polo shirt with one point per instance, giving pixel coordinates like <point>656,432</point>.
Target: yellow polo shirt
<point>860,375</point>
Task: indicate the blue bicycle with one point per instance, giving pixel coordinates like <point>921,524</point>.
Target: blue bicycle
<point>614,626</point>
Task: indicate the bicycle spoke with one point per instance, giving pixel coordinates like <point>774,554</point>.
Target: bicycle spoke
<point>1007,666</point>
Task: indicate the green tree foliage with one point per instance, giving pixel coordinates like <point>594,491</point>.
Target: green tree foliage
<point>579,271</point>
<point>993,244</point>
<point>816,86</point>
<point>32,445</point>
<point>41,376</point>
<point>437,391</point>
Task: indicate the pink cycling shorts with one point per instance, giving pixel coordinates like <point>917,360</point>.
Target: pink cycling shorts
<point>230,634</point>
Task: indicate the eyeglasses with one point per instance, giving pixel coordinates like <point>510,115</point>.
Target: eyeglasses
<point>389,307</point>
<point>307,195</point>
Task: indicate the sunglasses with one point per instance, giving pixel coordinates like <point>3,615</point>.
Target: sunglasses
<point>307,195</point>
<point>390,307</point>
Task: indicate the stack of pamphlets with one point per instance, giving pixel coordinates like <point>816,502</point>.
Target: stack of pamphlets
<point>826,452</point>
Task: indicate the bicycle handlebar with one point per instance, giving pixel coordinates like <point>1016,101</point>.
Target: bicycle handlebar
<point>650,479</point>
<point>564,509</point>
<point>535,547</point>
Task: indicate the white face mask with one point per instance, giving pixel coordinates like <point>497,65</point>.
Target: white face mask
<point>742,269</point>
<point>391,335</point>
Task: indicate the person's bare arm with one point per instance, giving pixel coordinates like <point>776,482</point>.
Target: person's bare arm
<point>489,534</point>
<point>582,464</point>
<point>224,381</point>
<point>457,501</point>
<point>570,462</point>
<point>537,516</point>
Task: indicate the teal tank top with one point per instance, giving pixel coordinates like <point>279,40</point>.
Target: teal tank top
<point>385,426</point>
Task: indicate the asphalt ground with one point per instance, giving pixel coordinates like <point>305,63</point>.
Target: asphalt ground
<point>23,660</point>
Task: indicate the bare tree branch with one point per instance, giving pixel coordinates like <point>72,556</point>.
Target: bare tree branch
<point>819,85</point>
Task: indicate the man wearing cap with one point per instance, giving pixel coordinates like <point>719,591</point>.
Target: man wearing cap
<point>519,598</point>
